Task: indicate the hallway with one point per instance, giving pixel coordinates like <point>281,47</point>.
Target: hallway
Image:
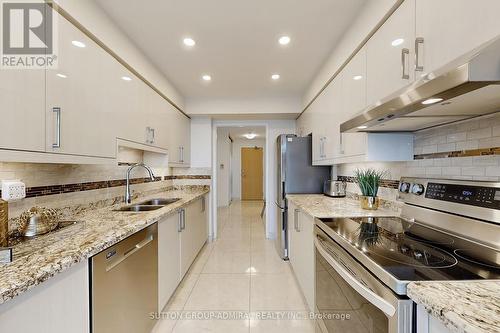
<point>239,275</point>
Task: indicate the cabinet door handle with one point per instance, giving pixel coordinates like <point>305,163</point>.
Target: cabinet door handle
<point>419,41</point>
<point>295,219</point>
<point>179,226</point>
<point>341,143</point>
<point>148,134</point>
<point>183,211</point>
<point>405,55</point>
<point>57,143</point>
<point>152,135</point>
<point>202,204</point>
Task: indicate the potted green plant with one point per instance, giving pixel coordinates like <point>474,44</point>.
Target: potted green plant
<point>368,181</point>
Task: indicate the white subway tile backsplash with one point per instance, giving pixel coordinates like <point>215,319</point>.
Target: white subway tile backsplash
<point>473,171</point>
<point>467,145</point>
<point>445,147</point>
<point>433,171</point>
<point>485,178</point>
<point>441,162</point>
<point>461,161</point>
<point>455,137</point>
<point>496,130</point>
<point>426,162</point>
<point>451,171</point>
<point>486,160</point>
<point>429,149</point>
<point>490,142</point>
<point>492,171</point>
<point>479,133</point>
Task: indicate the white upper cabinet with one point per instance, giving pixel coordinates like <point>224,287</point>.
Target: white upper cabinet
<point>390,54</point>
<point>447,29</point>
<point>353,78</point>
<point>22,109</point>
<point>179,152</point>
<point>80,118</point>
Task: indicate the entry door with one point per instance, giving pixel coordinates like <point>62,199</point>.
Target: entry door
<point>251,173</point>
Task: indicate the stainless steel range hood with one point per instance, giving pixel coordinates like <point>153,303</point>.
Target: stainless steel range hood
<point>466,88</point>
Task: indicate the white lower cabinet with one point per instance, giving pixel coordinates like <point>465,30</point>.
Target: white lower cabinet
<point>301,251</point>
<point>426,323</point>
<point>169,258</point>
<point>59,305</point>
<point>194,232</point>
<point>180,238</point>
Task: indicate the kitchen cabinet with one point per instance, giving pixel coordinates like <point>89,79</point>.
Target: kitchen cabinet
<point>22,101</point>
<point>326,115</point>
<point>193,232</point>
<point>353,92</point>
<point>447,29</point>
<point>301,251</point>
<point>59,305</point>
<point>390,54</point>
<point>179,140</point>
<point>80,116</point>
<point>169,256</point>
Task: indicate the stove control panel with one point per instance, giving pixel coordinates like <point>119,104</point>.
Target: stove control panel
<point>488,197</point>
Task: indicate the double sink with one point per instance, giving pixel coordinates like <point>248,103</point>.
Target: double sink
<point>149,205</point>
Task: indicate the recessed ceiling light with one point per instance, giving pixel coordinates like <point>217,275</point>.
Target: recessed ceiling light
<point>77,43</point>
<point>61,75</point>
<point>397,42</point>
<point>284,40</point>
<point>432,101</point>
<point>275,76</point>
<point>189,42</point>
<point>250,136</point>
<point>357,77</point>
<point>126,78</point>
<point>362,127</point>
<point>206,77</point>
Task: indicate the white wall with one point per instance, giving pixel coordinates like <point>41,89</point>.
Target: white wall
<point>93,18</point>
<point>201,142</point>
<point>223,168</point>
<point>278,105</point>
<point>373,12</point>
<point>236,163</point>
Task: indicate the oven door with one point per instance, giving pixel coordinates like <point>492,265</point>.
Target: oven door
<point>350,299</point>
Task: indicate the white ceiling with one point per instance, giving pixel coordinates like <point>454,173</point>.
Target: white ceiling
<point>236,41</point>
<point>237,132</point>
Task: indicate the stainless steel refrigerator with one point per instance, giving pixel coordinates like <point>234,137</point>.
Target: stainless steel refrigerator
<point>296,174</point>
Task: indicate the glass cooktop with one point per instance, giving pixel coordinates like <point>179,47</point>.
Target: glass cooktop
<point>412,252</point>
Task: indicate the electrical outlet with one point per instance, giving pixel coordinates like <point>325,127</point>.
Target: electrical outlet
<point>13,190</point>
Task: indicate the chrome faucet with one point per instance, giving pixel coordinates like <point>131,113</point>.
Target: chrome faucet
<point>128,196</point>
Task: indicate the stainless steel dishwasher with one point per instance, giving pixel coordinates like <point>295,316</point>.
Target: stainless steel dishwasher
<point>124,284</point>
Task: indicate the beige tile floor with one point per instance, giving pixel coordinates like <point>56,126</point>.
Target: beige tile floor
<point>241,274</point>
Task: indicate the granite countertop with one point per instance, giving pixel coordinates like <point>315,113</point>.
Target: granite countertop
<point>321,206</point>
<point>462,306</point>
<point>37,260</point>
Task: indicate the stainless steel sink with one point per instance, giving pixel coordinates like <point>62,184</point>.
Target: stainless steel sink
<point>139,208</point>
<point>161,202</point>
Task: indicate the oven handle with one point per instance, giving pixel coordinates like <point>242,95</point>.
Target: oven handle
<point>369,295</point>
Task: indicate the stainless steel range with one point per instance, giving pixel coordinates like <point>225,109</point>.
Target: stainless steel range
<point>448,230</point>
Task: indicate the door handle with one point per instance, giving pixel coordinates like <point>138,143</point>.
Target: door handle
<point>419,41</point>
<point>405,55</point>
<point>131,251</point>
<point>57,143</point>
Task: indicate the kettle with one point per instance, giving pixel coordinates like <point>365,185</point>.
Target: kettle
<point>335,188</point>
